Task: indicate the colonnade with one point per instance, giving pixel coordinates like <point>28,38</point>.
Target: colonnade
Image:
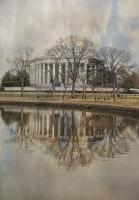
<point>43,74</point>
<point>58,124</point>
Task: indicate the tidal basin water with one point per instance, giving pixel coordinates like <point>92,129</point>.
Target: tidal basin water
<point>59,154</point>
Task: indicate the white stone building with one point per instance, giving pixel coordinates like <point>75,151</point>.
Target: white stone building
<point>42,72</point>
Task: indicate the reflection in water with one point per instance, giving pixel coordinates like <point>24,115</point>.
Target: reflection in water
<point>57,154</point>
<point>72,138</point>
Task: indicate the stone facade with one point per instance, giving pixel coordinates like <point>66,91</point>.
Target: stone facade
<point>43,72</point>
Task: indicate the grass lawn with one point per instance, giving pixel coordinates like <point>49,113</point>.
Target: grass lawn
<point>96,97</point>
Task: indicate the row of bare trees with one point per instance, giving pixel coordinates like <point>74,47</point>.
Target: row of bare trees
<point>78,51</point>
<point>118,63</point>
<point>75,51</point>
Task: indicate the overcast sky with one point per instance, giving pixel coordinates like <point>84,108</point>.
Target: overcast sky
<point>39,23</point>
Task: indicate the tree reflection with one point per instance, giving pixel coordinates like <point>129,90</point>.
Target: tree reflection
<point>19,133</point>
<point>73,138</point>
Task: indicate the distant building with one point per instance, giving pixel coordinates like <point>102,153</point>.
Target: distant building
<point>43,70</point>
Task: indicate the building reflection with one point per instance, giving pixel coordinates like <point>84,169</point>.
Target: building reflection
<point>72,138</point>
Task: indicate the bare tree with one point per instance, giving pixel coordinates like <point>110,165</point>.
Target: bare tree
<point>66,84</point>
<point>20,135</point>
<point>76,51</point>
<point>131,80</point>
<point>83,79</point>
<point>23,59</point>
<point>55,54</point>
<point>122,75</point>
<point>95,73</point>
<point>115,61</point>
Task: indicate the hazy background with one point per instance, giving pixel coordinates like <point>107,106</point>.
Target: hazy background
<point>39,23</point>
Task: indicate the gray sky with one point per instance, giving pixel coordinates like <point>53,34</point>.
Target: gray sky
<point>39,23</point>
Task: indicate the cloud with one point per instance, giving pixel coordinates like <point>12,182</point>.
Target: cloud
<point>40,23</point>
<point>129,24</point>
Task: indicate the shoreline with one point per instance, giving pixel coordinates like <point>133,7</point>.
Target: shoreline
<point>128,107</point>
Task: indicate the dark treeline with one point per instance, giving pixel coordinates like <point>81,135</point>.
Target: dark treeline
<point>14,79</point>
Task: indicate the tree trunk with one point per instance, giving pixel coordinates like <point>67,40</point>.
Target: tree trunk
<point>114,91</point>
<point>73,90</point>
<point>22,84</point>
<point>53,88</point>
<point>66,93</point>
<point>22,121</point>
<point>92,90</point>
<point>84,92</point>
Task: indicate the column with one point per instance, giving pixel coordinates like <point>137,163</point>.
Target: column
<point>44,73</point>
<point>53,131</point>
<point>66,71</point>
<point>43,123</point>
<point>35,81</point>
<point>85,70</point>
<point>58,127</point>
<point>95,70</point>
<point>38,73</point>
<point>48,74</point>
<point>47,124</point>
<point>60,73</point>
<point>65,126</point>
<point>30,77</point>
<point>36,121</point>
<point>41,68</point>
<point>33,74</point>
<point>40,133</point>
<point>28,71</point>
<point>53,70</point>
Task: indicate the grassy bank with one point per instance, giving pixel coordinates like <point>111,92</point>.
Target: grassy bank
<point>126,105</point>
<point>96,97</point>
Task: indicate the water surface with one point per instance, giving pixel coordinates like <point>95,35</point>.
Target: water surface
<point>57,154</point>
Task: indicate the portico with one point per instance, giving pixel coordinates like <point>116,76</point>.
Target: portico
<point>44,72</point>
